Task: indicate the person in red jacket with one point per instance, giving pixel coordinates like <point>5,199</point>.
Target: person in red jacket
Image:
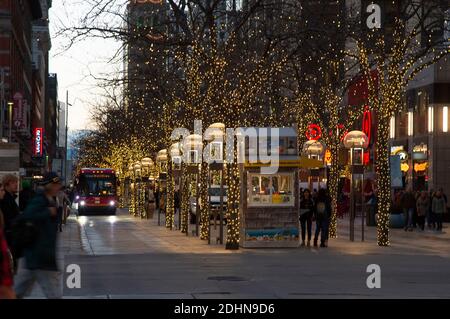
<point>6,262</point>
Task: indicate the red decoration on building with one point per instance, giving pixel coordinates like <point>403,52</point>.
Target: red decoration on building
<point>314,132</point>
<point>367,124</point>
<point>366,157</point>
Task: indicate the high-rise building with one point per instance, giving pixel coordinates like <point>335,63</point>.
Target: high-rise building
<point>24,46</point>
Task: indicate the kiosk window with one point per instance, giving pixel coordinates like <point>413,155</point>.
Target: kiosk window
<point>271,190</point>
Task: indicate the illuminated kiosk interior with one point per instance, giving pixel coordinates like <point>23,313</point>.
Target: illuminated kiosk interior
<point>269,201</point>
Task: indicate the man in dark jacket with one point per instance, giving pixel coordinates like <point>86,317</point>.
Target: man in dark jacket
<point>40,256</point>
<point>10,210</point>
<point>408,204</point>
<point>322,214</point>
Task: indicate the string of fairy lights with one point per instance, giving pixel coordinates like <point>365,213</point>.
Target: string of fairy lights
<point>246,78</point>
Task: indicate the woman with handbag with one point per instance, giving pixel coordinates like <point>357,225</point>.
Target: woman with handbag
<point>306,214</point>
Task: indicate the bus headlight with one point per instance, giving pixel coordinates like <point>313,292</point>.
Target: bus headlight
<point>112,203</point>
<point>82,203</point>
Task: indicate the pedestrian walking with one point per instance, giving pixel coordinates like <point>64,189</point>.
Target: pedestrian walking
<point>61,203</point>
<point>151,202</point>
<point>25,195</point>
<point>439,207</point>
<point>306,215</point>
<point>430,216</point>
<point>322,214</point>
<point>11,212</point>
<point>6,260</point>
<point>408,202</point>
<point>40,254</point>
<point>423,206</point>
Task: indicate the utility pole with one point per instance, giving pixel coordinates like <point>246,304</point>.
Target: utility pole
<point>10,110</point>
<point>67,130</point>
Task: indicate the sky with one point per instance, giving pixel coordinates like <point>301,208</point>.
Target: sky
<point>75,65</point>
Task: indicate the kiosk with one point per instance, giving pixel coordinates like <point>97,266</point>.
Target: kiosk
<point>269,201</point>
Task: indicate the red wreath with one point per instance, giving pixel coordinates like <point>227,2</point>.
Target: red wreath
<point>314,132</point>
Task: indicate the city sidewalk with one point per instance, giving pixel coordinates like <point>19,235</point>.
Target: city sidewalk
<point>69,243</point>
<point>145,260</point>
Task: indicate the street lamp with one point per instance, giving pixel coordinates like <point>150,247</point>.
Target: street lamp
<point>356,142</point>
<point>175,156</point>
<point>161,162</point>
<point>138,172</point>
<point>146,163</point>
<point>192,148</point>
<point>131,203</point>
<point>314,150</point>
<point>214,135</point>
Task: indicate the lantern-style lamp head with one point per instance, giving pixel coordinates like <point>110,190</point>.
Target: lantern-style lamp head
<point>313,148</point>
<point>146,162</point>
<point>192,148</point>
<point>214,134</point>
<point>175,154</point>
<point>162,156</point>
<point>215,131</point>
<point>356,139</point>
<point>175,149</point>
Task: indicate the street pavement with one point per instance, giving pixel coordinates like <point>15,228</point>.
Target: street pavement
<point>128,257</point>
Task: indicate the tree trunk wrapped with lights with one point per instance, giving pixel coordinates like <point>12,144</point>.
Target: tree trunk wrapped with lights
<point>333,182</point>
<point>383,180</point>
<point>170,190</point>
<point>233,198</point>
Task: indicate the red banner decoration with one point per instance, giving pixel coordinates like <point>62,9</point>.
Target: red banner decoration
<point>314,132</point>
<point>367,124</point>
<point>38,139</point>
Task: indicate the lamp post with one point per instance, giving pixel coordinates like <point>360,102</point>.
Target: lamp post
<point>314,150</point>
<point>175,155</point>
<point>131,203</point>
<point>161,161</point>
<point>138,193</point>
<point>192,148</point>
<point>356,142</point>
<point>215,134</point>
<point>146,162</point>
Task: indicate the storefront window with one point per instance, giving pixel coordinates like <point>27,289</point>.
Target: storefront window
<point>271,190</point>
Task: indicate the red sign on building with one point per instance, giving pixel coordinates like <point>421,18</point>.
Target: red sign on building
<point>38,139</point>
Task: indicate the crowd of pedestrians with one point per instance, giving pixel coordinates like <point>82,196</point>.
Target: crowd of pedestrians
<point>28,233</point>
<point>421,209</point>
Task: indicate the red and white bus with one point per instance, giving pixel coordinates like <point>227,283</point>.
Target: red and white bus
<point>96,191</point>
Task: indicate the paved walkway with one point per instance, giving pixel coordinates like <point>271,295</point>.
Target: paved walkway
<point>127,257</point>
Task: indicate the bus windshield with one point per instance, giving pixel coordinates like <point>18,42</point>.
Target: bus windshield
<point>97,186</point>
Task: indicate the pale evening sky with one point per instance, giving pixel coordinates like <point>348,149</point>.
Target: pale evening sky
<point>75,65</point>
